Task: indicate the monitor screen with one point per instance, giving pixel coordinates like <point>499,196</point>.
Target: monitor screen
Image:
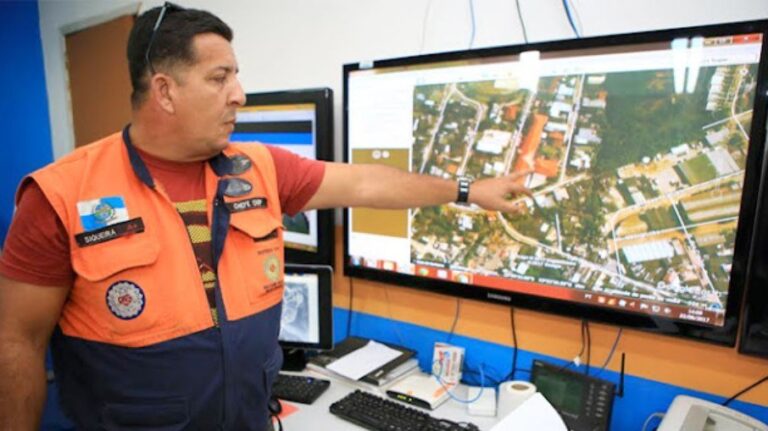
<point>307,307</point>
<point>301,122</point>
<point>643,152</point>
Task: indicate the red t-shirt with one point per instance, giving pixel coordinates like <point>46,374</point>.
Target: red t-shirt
<point>37,246</point>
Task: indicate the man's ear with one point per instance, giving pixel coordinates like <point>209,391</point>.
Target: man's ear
<point>162,88</point>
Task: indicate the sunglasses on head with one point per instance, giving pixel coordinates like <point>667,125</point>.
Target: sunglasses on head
<point>167,7</point>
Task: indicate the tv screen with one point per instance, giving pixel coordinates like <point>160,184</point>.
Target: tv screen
<point>300,121</point>
<point>644,151</point>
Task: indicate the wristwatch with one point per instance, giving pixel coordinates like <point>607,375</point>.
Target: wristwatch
<point>463,196</point>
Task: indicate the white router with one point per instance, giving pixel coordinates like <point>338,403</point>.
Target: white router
<point>484,403</point>
<point>421,390</point>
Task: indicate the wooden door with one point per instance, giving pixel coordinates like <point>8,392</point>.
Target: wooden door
<point>99,82</point>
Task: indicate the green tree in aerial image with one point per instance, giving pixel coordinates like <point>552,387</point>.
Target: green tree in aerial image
<point>645,117</point>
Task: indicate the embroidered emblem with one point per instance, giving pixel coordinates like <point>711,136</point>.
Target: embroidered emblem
<point>102,212</point>
<point>272,268</point>
<point>125,299</point>
<point>237,187</point>
<point>240,164</point>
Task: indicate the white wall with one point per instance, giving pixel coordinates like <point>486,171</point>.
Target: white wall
<point>284,44</point>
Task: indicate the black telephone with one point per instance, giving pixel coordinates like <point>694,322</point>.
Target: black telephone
<point>584,402</point>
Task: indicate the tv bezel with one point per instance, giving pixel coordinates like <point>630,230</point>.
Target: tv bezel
<point>322,98</point>
<point>755,310</point>
<point>724,335</point>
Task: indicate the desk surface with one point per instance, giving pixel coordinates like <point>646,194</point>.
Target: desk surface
<point>317,415</point>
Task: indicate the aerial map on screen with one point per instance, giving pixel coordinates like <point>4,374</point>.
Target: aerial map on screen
<point>636,174</point>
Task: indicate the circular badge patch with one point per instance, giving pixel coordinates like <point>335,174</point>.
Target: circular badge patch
<point>125,299</point>
<point>272,268</point>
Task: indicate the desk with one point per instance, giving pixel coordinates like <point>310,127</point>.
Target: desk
<point>317,416</point>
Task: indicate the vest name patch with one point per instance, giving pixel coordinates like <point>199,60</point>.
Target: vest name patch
<point>246,204</point>
<point>110,232</point>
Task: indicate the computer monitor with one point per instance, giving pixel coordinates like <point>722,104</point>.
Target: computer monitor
<point>645,152</point>
<point>300,121</point>
<point>306,322</point>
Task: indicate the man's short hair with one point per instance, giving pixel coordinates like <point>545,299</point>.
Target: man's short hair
<point>172,44</point>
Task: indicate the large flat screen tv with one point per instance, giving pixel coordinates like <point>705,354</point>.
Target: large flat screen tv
<point>300,121</point>
<point>645,152</point>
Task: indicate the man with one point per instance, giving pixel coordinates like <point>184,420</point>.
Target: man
<point>152,259</point>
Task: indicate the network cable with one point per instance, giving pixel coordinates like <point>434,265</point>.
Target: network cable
<point>448,390</point>
<point>567,8</point>
<point>652,417</point>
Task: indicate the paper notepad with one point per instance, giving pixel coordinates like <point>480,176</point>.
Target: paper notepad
<point>363,360</point>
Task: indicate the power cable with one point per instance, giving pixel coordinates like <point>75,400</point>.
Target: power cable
<point>394,321</point>
<point>455,319</point>
<point>581,350</point>
<point>589,346</point>
<point>744,391</point>
<point>514,343</point>
<point>472,17</point>
<point>610,354</point>
<point>522,21</point>
<point>424,26</point>
<point>349,315</point>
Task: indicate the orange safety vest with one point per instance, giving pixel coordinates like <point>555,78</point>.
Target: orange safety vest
<point>137,282</point>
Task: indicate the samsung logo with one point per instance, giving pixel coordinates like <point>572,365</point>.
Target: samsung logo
<point>499,297</point>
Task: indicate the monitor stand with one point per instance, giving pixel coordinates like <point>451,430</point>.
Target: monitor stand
<point>294,359</point>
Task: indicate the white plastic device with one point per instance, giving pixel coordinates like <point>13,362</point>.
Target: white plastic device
<point>694,414</point>
<point>421,390</point>
<point>485,405</point>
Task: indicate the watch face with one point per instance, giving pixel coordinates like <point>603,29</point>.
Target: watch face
<point>463,190</point>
